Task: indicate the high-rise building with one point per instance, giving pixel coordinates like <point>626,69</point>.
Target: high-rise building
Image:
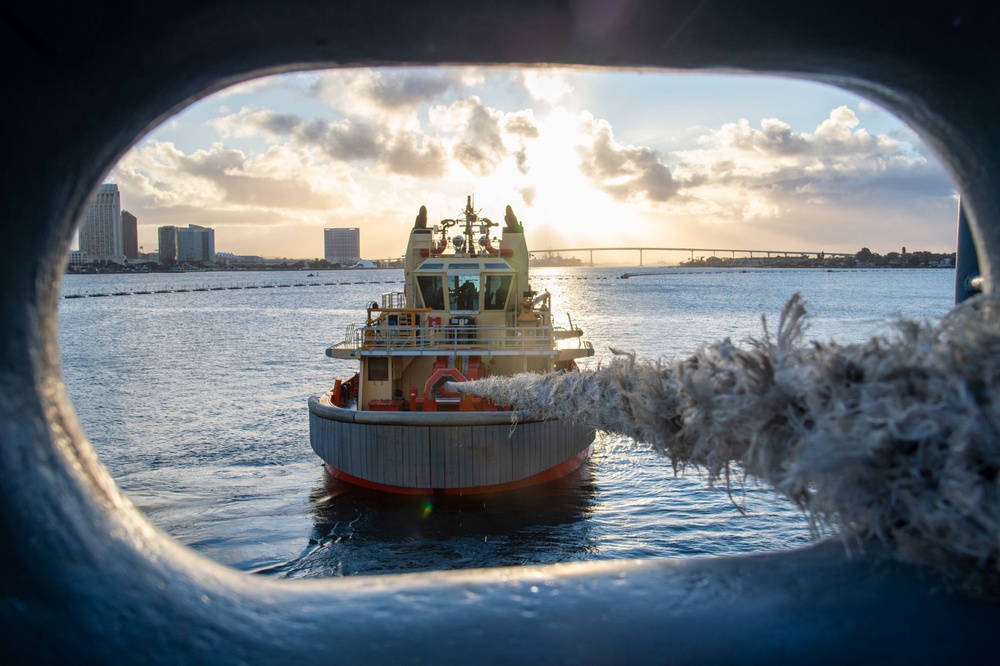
<point>101,231</point>
<point>130,235</point>
<point>167,244</point>
<point>193,244</point>
<point>196,244</point>
<point>342,245</point>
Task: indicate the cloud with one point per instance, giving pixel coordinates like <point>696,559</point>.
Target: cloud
<point>384,92</point>
<point>546,85</point>
<point>774,138</point>
<point>344,140</point>
<point>215,179</point>
<point>838,162</point>
<point>362,144</point>
<point>279,124</point>
<point>870,109</point>
<point>394,90</point>
<point>252,191</point>
<point>481,145</point>
<point>625,172</point>
<point>405,156</point>
<point>743,176</point>
<point>482,138</point>
<point>523,126</point>
<point>212,163</point>
<point>522,123</point>
<point>251,121</point>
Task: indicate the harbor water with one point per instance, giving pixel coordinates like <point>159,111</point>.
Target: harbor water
<point>192,389</point>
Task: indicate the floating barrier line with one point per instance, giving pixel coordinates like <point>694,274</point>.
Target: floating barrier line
<point>181,290</point>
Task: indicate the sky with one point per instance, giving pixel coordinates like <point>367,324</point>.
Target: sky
<point>586,159</point>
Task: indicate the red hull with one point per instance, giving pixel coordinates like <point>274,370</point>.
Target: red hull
<point>560,470</point>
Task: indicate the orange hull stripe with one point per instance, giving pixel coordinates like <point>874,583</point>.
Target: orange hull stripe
<point>560,470</point>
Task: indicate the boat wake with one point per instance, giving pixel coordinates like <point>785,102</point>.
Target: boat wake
<point>895,438</point>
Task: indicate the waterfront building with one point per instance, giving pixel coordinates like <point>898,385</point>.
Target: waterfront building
<point>101,231</point>
<point>196,244</point>
<point>167,244</point>
<point>79,258</point>
<point>130,235</point>
<point>230,259</point>
<point>193,244</point>
<point>342,245</point>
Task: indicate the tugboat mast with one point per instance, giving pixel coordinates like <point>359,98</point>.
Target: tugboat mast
<point>470,222</point>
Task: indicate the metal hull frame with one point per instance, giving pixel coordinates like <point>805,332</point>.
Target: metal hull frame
<point>444,452</point>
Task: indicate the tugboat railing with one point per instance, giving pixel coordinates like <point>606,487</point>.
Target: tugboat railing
<point>484,339</point>
<point>393,300</point>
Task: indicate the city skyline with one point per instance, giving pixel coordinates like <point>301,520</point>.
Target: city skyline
<point>585,158</point>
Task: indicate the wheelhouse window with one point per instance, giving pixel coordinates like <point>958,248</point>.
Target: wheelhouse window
<point>496,291</point>
<point>431,291</point>
<point>463,292</point>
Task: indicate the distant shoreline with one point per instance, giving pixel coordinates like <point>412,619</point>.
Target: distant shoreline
<point>258,269</point>
<point>865,267</point>
<point>921,260</point>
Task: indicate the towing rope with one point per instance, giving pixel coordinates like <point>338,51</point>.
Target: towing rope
<point>896,438</point>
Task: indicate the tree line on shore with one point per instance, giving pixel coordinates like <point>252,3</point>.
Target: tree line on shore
<point>864,258</point>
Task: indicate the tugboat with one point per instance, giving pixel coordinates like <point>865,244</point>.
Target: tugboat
<point>467,311</point>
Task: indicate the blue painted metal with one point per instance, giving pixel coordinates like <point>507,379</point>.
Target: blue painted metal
<point>85,578</point>
<point>967,280</point>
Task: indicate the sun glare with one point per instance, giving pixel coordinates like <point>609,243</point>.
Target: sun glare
<point>572,210</point>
